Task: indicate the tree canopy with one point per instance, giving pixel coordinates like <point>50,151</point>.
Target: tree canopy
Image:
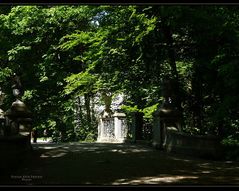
<point>68,55</point>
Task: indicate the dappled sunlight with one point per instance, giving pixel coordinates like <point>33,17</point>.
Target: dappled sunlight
<point>47,147</point>
<point>54,154</point>
<point>153,180</point>
<point>204,164</point>
<point>83,149</point>
<point>180,159</point>
<point>123,164</point>
<point>206,172</point>
<point>232,168</point>
<point>96,147</point>
<point>119,151</point>
<point>219,166</point>
<point>129,151</point>
<point>119,94</point>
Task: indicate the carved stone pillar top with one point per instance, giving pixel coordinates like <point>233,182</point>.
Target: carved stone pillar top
<point>17,86</point>
<point>108,100</point>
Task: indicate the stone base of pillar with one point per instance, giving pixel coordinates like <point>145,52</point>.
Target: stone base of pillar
<point>112,129</point>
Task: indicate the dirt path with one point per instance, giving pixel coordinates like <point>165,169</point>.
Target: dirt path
<point>117,164</point>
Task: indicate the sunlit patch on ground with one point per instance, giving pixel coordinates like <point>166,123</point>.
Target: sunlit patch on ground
<point>125,151</point>
<point>152,180</point>
<point>206,172</point>
<point>54,154</point>
<point>120,164</point>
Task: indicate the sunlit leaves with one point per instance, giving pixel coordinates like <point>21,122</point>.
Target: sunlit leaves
<point>83,80</point>
<point>33,36</point>
<point>5,73</point>
<point>16,51</point>
<point>28,94</point>
<point>148,111</point>
<point>70,41</point>
<point>70,50</point>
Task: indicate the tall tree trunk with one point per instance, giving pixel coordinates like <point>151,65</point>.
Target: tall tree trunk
<point>93,115</point>
<point>220,121</point>
<point>139,125</point>
<point>87,107</point>
<point>172,62</point>
<point>138,117</point>
<point>197,100</point>
<point>92,107</point>
<point>78,112</point>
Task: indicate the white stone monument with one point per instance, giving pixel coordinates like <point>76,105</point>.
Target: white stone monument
<point>112,126</point>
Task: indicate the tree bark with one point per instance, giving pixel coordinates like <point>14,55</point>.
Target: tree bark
<point>172,62</point>
<point>87,106</point>
<point>197,100</point>
<point>78,112</point>
<point>139,125</point>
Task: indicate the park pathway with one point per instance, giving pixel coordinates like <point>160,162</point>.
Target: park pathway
<point>100,164</point>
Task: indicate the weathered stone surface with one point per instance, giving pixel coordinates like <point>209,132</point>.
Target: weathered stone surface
<point>112,128</point>
<point>194,145</point>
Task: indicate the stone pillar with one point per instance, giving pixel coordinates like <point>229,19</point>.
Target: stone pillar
<point>157,137</point>
<point>106,121</point>
<point>106,127</point>
<point>166,116</point>
<point>133,128</point>
<point>120,126</point>
<point>18,117</point>
<point>100,124</point>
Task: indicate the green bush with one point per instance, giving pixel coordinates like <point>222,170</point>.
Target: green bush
<point>71,136</point>
<point>231,147</point>
<point>90,137</point>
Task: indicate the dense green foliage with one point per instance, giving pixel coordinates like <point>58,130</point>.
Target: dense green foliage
<point>68,54</point>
